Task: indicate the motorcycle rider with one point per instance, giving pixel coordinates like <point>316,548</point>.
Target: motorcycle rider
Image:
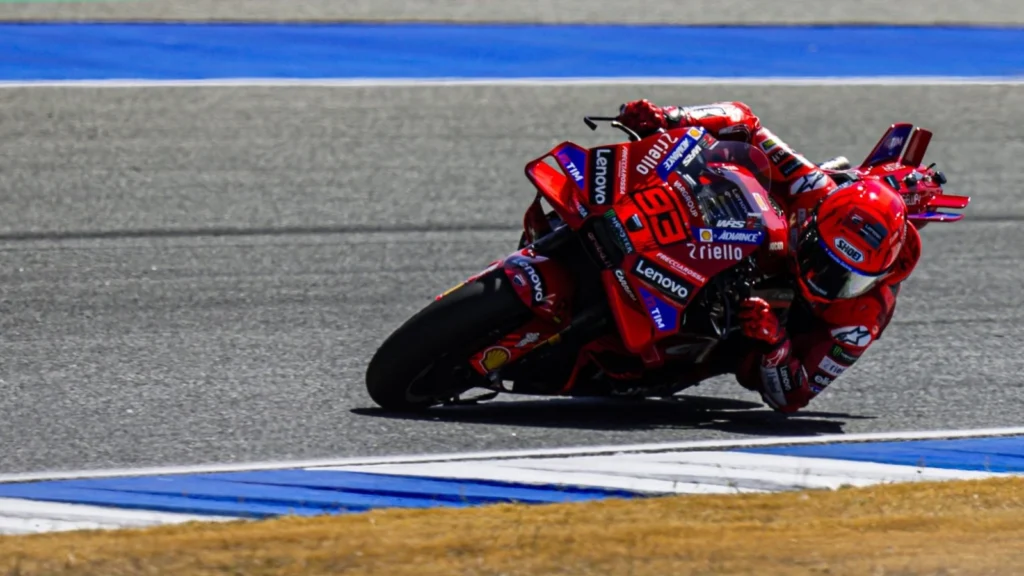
<point>850,248</point>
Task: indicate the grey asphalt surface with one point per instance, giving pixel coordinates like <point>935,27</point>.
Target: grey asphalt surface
<point>987,12</point>
<point>200,275</point>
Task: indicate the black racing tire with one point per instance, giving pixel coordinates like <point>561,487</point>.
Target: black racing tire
<point>425,360</point>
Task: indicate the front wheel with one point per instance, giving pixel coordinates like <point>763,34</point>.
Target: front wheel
<point>426,360</point>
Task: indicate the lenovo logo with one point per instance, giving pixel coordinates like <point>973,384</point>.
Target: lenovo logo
<point>600,161</point>
<point>673,287</point>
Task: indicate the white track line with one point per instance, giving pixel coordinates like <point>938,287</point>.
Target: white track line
<point>539,453</point>
<point>540,81</point>
<point>19,516</point>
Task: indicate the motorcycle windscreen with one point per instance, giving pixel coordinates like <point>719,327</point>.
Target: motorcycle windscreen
<point>728,185</point>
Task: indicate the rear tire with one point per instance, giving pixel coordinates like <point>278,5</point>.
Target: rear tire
<point>425,361</point>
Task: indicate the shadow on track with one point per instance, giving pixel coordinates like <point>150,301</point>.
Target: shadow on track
<point>682,413</point>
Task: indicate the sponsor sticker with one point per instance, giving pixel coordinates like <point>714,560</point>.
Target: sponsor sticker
<point>691,205</point>
<point>842,355</point>
<point>572,160</point>
<point>773,385</point>
<point>623,172</point>
<point>601,160</point>
<point>580,209</point>
<point>831,367</point>
<point>890,149</point>
<point>788,168</point>
<point>621,236</point>
<point>715,252</point>
<point>819,383</point>
<point>729,235</point>
<point>664,315</point>
<point>682,269</point>
<point>760,202</point>
<point>495,357</point>
<point>684,152</point>
<point>856,336</point>
<point>811,182</point>
<point>730,223</point>
<point>599,250</point>
<point>673,287</point>
<point>536,282</point>
<point>529,338</point>
<point>621,277</point>
<point>851,252</point>
<point>780,155</point>
<point>785,378</point>
<point>654,155</point>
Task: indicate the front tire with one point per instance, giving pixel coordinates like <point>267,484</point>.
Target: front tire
<point>425,361</point>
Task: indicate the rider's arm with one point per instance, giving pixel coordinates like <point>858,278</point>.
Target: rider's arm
<point>792,175</point>
<point>724,120</point>
<point>793,369</point>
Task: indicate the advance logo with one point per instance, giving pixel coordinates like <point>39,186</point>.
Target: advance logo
<point>673,287</point>
<point>684,152</point>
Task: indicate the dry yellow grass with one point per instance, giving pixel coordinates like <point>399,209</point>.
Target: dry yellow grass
<point>974,527</point>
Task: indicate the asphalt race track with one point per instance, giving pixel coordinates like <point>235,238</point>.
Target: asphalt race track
<point>201,275</point>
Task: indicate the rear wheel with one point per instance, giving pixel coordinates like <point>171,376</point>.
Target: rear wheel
<point>425,361</point>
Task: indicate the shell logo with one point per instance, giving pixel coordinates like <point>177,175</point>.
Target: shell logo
<point>760,201</point>
<point>705,235</point>
<point>694,133</point>
<point>495,358</point>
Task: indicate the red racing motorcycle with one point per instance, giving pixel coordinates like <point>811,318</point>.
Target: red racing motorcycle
<point>628,279</point>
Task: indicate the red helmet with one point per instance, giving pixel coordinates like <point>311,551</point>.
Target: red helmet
<point>851,242</point>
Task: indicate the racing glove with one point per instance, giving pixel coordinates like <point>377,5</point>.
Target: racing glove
<point>645,118</point>
<point>783,381</point>
<point>758,322</point>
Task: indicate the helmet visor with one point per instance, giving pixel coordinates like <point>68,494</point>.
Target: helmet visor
<point>825,275</point>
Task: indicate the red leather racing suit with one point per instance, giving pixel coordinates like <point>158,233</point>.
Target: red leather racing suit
<point>815,348</point>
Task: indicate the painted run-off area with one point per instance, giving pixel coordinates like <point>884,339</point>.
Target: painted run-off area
<point>139,498</point>
<point>964,527</point>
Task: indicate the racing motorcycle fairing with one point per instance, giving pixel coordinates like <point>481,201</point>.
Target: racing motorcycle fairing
<point>660,217</point>
<point>890,146</point>
<point>898,161</point>
<point>561,188</point>
<point>913,154</point>
<point>541,283</point>
<point>514,345</point>
<point>678,227</point>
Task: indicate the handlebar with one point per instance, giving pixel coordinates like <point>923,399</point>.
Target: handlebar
<point>591,122</point>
